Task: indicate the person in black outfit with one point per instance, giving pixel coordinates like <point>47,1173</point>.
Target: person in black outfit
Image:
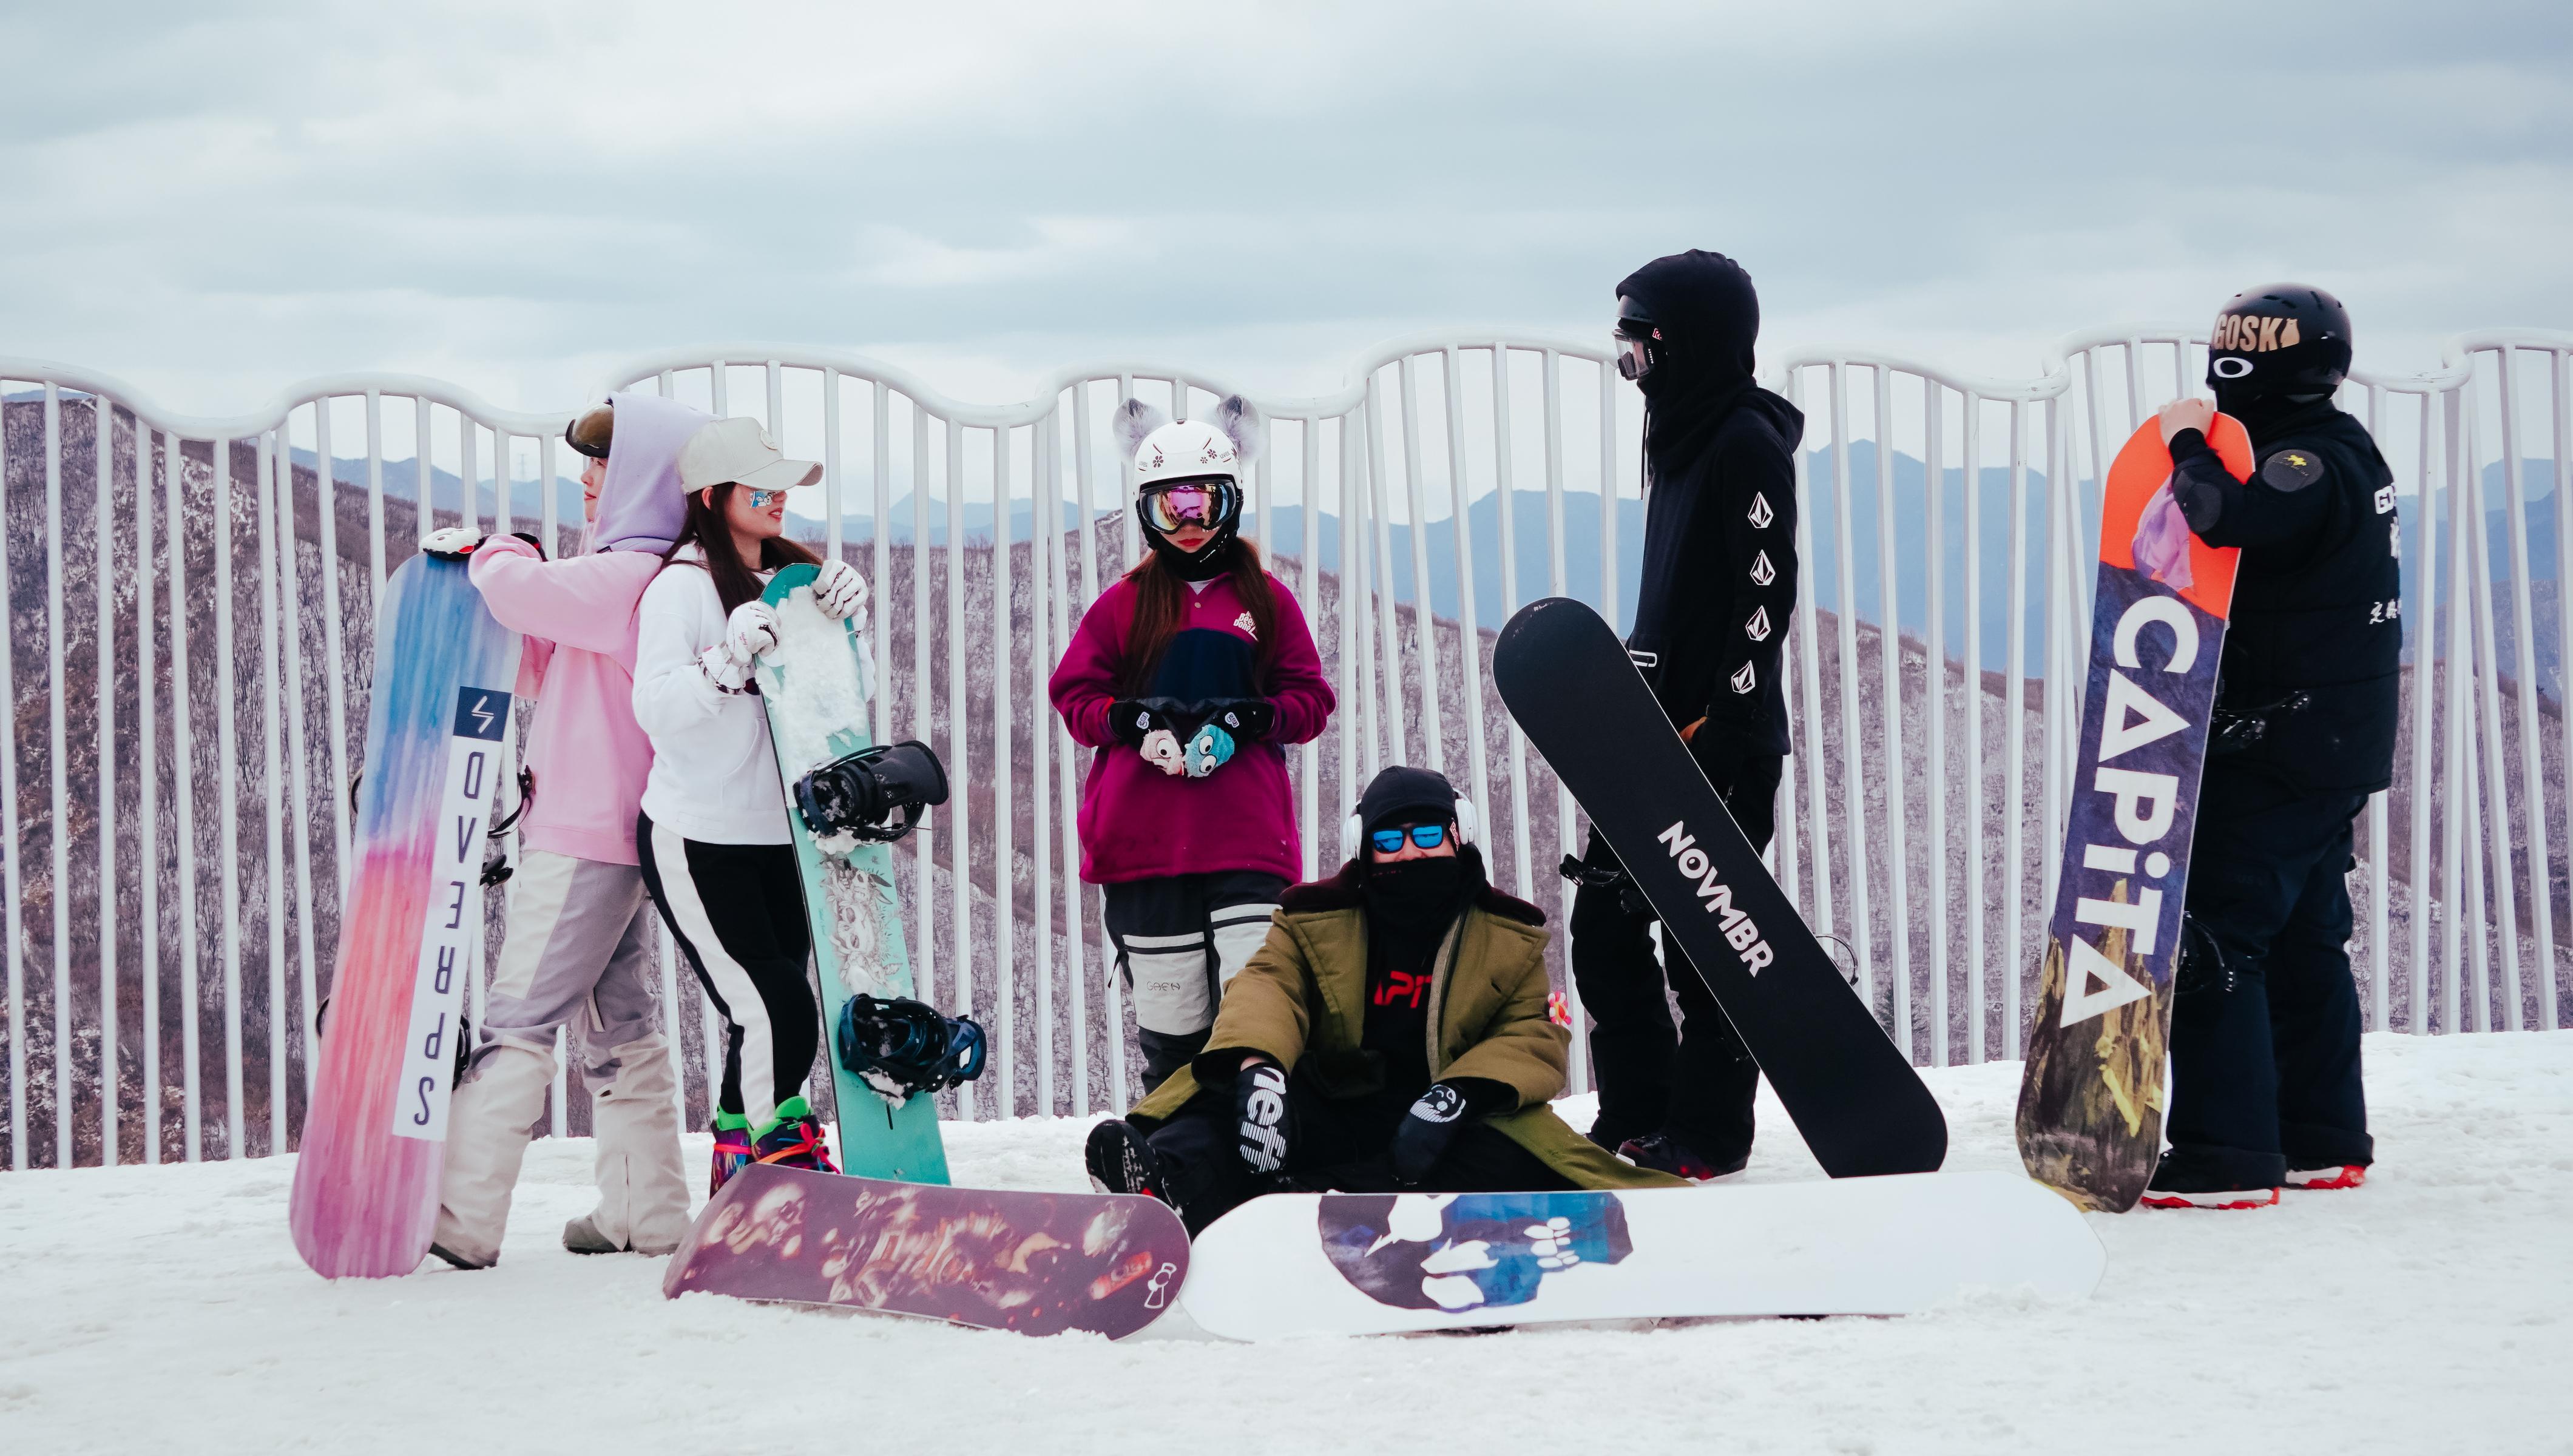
<point>1719,576</point>
<point>2265,1027</point>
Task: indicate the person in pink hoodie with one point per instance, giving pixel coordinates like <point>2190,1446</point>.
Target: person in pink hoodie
<point>576,952</point>
<point>1187,675</point>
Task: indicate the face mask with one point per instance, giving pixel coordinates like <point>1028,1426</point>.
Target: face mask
<point>1414,897</point>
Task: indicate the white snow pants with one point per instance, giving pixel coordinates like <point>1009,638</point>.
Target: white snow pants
<point>575,954</point>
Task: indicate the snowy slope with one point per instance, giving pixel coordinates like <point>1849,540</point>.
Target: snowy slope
<point>164,1309</point>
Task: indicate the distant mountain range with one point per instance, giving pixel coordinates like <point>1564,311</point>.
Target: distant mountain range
<point>1581,537</point>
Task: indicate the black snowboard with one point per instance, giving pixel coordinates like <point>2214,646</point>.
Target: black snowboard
<point>1852,1094</point>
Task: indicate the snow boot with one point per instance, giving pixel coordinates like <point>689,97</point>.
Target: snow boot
<point>1121,1161</point>
<point>793,1139</point>
<point>2344,1175</point>
<point>2184,1180</point>
<point>487,1127</point>
<point>643,1188</point>
<point>1662,1152</point>
<point>732,1149</point>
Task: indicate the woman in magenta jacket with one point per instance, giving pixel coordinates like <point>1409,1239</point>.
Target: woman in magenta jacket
<point>1189,675</point>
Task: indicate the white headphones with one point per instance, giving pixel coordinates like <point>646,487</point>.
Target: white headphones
<point>1353,829</point>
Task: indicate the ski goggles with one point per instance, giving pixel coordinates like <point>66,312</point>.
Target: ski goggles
<point>1390,841</point>
<point>1203,503</point>
<point>1637,340</point>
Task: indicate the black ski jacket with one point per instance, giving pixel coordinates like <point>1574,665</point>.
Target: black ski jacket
<point>1719,573</point>
<point>2315,640</point>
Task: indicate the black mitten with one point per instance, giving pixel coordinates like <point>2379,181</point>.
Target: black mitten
<point>1435,1120</point>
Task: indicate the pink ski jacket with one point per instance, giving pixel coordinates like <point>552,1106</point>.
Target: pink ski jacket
<point>589,756</point>
<point>1139,823</point>
<point>578,616</point>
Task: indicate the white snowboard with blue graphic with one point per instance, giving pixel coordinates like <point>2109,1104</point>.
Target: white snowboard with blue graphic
<point>1357,1263</point>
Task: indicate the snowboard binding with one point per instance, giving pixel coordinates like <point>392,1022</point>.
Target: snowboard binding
<point>901,1047</point>
<point>875,795</point>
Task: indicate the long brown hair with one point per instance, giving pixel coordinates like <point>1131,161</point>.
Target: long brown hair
<point>1159,597</point>
<point>706,529</point>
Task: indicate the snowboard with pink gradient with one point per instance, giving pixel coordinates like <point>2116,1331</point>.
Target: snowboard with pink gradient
<point>437,750</point>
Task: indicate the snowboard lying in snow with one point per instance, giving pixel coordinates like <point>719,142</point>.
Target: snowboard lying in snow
<point>1038,1263</point>
<point>1353,1263</point>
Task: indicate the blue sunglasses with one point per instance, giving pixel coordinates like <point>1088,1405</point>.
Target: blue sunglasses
<point>1427,836</point>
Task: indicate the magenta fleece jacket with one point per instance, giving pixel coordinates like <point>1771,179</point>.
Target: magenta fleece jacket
<point>1137,823</point>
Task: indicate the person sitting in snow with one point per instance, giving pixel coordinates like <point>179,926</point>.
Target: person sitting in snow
<point>1391,1034</point>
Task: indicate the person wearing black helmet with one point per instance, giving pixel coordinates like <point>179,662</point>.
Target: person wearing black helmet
<point>2265,1091</point>
<point>1391,1034</point>
<point>1719,576</point>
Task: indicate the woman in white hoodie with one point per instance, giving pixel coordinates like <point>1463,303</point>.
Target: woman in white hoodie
<point>717,851</point>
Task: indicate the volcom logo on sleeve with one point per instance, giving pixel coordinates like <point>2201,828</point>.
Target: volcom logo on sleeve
<point>1757,629</point>
<point>1762,573</point>
<point>1760,515</point>
<point>1737,927</point>
<point>1744,679</point>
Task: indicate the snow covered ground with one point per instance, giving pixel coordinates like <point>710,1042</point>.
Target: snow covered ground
<point>163,1310</point>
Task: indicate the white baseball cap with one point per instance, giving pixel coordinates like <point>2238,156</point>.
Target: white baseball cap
<point>738,449</point>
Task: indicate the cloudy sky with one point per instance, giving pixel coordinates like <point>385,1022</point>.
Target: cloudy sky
<point>212,200</point>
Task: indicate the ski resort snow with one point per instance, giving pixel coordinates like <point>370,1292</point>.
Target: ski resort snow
<point>162,1309</point>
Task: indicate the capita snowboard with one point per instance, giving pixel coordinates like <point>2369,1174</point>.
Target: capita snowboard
<point>1038,1263</point>
<point>816,683</point>
<point>1360,1264</point>
<point>1850,1090</point>
<point>2091,1097</point>
<point>438,751</point>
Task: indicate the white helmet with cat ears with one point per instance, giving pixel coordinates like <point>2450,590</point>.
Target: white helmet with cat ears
<point>1188,449</point>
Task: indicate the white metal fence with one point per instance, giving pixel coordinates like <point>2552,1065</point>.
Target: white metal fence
<point>190,641</point>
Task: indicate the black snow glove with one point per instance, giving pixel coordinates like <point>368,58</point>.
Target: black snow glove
<point>1131,720</point>
<point>1244,718</point>
<point>1259,1108</point>
<point>1434,1120</point>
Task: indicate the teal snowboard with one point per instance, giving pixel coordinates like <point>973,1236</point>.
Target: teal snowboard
<point>816,684</point>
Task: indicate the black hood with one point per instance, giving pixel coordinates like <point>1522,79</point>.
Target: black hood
<point>1709,317</point>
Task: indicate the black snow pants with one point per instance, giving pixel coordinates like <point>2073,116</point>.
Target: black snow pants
<point>2265,1048</point>
<point>1335,1143</point>
<point>1696,1080</point>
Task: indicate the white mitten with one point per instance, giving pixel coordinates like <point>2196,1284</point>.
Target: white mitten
<point>749,631</point>
<point>841,592</point>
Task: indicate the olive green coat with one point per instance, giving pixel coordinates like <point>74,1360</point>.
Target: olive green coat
<point>1302,998</point>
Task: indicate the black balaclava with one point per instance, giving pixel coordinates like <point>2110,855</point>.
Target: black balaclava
<point>1709,317</point>
<point>1208,562</point>
<point>1411,903</point>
